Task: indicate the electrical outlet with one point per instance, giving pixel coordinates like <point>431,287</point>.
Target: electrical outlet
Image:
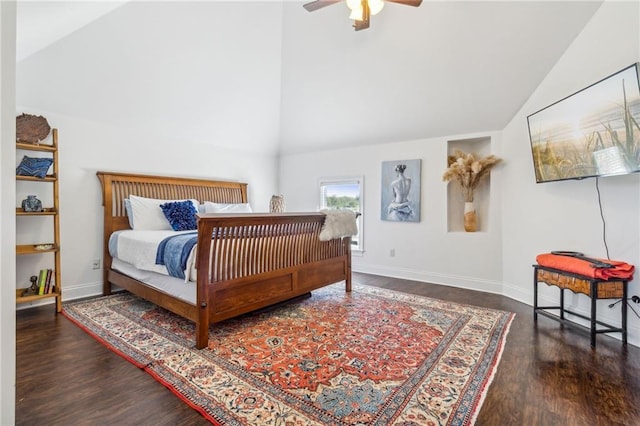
<point>392,252</point>
<point>95,264</point>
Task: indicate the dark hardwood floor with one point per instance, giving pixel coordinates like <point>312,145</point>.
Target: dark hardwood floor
<point>549,375</point>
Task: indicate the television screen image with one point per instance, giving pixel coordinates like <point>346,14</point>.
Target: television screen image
<point>593,132</point>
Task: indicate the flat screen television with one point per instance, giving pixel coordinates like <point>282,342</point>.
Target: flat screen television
<point>593,132</point>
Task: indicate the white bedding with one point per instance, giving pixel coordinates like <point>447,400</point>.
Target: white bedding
<point>139,248</point>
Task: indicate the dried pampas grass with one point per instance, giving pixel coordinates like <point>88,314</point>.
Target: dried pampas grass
<point>468,171</point>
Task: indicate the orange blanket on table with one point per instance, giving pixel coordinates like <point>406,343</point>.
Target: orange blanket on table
<point>618,270</point>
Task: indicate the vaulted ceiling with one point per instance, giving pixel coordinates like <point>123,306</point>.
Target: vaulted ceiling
<point>299,80</point>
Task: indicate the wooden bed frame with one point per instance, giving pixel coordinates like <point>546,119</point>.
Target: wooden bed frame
<point>259,259</point>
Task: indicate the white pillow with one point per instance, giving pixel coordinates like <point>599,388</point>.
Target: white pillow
<point>210,207</point>
<point>127,208</point>
<point>147,214</point>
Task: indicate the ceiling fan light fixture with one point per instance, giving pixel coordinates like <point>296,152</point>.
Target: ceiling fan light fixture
<point>361,10</point>
<point>357,14</point>
<point>375,6</point>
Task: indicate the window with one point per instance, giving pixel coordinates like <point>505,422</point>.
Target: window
<point>345,193</point>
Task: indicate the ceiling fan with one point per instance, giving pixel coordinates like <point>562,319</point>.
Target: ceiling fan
<point>361,10</point>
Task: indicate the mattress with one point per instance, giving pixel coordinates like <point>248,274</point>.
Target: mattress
<point>185,291</point>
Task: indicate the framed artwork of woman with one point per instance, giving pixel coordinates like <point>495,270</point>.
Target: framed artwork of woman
<point>400,186</point>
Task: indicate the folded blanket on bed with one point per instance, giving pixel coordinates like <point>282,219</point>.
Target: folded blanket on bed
<point>575,265</point>
<point>338,224</point>
<point>174,251</point>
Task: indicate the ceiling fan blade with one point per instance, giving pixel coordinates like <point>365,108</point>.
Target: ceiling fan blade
<point>414,3</point>
<point>318,4</point>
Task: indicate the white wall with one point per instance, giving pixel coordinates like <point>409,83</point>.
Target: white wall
<point>7,212</point>
<point>424,251</point>
<point>565,215</point>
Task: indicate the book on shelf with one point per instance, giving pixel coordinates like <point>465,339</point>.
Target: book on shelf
<point>42,281</point>
<point>47,286</point>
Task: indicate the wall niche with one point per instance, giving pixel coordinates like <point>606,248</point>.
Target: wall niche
<point>481,147</point>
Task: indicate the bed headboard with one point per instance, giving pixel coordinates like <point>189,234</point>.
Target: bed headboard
<point>118,186</point>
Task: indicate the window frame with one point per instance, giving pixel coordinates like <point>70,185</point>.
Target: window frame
<point>359,180</point>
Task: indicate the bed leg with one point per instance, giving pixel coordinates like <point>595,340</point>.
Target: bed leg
<point>202,335</point>
<point>202,327</point>
<point>106,284</point>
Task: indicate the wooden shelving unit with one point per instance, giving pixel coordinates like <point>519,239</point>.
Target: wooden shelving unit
<point>45,247</point>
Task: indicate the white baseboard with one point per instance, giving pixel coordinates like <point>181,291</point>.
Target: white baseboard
<point>82,290</point>
<point>470,283</point>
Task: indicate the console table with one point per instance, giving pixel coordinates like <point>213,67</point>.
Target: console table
<point>592,287</point>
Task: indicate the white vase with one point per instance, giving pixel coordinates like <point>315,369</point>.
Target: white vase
<point>276,205</point>
<point>470,217</point>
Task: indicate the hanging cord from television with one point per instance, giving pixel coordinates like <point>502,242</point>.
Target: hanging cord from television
<point>633,299</point>
<point>604,239</point>
<point>604,223</point>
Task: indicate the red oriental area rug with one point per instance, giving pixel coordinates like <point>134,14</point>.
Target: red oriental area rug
<point>371,357</point>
